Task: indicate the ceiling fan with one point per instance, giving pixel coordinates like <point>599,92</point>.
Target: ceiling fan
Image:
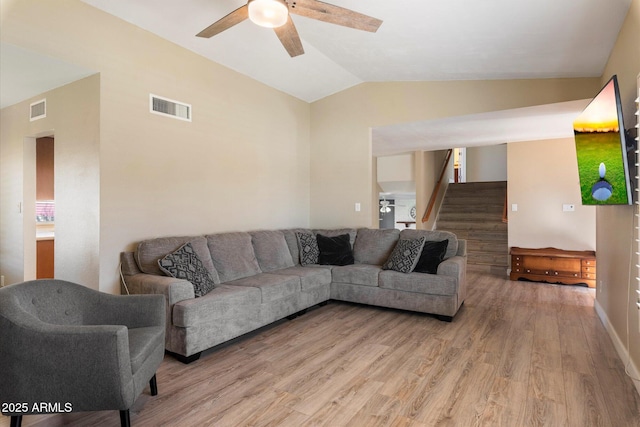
<point>276,14</point>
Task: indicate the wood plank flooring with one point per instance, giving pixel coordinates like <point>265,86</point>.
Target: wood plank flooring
<point>517,354</point>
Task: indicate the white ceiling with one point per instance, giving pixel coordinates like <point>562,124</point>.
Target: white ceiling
<point>418,40</point>
<point>498,127</point>
<point>22,76</point>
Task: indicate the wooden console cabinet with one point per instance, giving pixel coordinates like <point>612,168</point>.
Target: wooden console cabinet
<point>554,266</point>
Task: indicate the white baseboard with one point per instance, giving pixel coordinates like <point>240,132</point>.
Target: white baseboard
<point>623,352</point>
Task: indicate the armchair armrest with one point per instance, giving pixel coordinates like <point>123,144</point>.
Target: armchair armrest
<point>132,311</point>
<point>67,356</point>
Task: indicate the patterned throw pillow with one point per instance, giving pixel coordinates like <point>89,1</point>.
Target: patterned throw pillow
<point>308,246</point>
<point>185,264</point>
<point>405,255</point>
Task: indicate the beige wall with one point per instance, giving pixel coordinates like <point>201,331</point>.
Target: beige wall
<point>242,164</point>
<point>616,275</point>
<point>542,176</point>
<point>341,137</point>
<point>485,164</point>
<point>73,119</point>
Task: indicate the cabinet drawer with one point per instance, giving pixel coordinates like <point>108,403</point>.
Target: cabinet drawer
<point>589,276</point>
<point>589,263</point>
<point>588,270</point>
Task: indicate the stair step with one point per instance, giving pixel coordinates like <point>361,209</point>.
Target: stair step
<point>467,225</point>
<point>475,185</point>
<point>473,211</point>
<point>470,216</point>
<point>499,247</point>
<point>470,200</point>
<point>475,208</point>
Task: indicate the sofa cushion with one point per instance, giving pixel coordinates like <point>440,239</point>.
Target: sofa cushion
<point>273,286</point>
<point>334,250</point>
<point>432,255</point>
<point>150,251</point>
<point>357,274</point>
<point>418,282</point>
<point>352,232</point>
<point>221,303</point>
<point>310,277</point>
<point>292,242</point>
<point>233,255</point>
<point>185,264</point>
<point>434,236</point>
<point>271,250</point>
<point>405,255</point>
<point>374,246</point>
<point>308,248</point>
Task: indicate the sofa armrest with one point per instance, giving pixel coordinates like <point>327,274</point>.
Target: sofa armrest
<point>174,290</point>
<point>462,247</point>
<point>454,266</point>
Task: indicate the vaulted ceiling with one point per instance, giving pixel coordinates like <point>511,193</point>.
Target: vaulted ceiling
<point>418,40</point>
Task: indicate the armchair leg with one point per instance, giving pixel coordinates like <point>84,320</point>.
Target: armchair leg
<point>153,384</point>
<point>125,420</point>
<point>16,420</point>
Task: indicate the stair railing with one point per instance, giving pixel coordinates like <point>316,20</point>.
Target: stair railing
<point>505,212</point>
<point>436,187</point>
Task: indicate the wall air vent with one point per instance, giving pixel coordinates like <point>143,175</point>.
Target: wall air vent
<point>169,107</point>
<point>38,110</point>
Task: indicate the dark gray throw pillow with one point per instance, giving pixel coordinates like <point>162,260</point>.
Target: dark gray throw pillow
<point>431,257</point>
<point>308,247</point>
<point>405,255</point>
<point>335,250</point>
<point>185,264</point>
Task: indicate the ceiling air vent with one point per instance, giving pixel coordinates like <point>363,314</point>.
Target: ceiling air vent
<point>38,110</point>
<point>169,107</point>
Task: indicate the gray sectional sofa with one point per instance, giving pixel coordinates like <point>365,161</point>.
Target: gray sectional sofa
<point>259,279</point>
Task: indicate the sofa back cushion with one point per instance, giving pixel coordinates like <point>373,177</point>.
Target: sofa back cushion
<point>434,236</point>
<point>271,249</point>
<point>150,251</point>
<point>374,246</point>
<point>292,242</point>
<point>352,232</point>
<point>233,255</point>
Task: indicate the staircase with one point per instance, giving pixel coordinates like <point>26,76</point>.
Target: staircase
<point>473,211</point>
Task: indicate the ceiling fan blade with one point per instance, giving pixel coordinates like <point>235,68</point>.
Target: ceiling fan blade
<point>235,17</point>
<point>321,11</point>
<point>289,38</point>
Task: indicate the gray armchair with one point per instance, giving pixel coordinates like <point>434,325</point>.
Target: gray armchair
<point>76,349</point>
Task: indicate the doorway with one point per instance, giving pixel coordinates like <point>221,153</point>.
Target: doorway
<point>45,207</point>
<point>459,165</point>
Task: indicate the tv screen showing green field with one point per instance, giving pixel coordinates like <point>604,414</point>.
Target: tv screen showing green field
<point>602,164</point>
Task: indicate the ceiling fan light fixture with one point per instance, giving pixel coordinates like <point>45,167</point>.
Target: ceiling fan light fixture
<point>268,13</point>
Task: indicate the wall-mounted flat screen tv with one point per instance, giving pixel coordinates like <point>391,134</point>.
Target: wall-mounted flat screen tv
<point>601,149</point>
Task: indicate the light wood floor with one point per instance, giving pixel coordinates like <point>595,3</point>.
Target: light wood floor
<point>517,354</point>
